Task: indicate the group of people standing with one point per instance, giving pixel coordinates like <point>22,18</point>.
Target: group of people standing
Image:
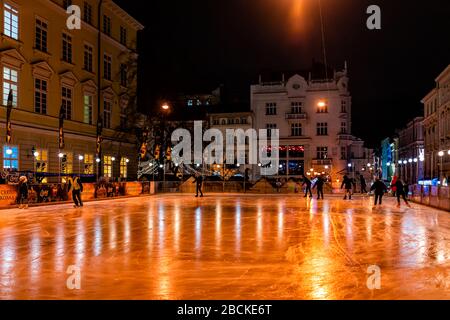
<point>398,188</point>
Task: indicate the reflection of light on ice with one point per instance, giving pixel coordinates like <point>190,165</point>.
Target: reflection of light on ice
<point>161,224</point>
<point>35,255</point>
<point>413,242</point>
<point>198,229</point>
<point>238,227</point>
<point>112,232</point>
<point>176,227</point>
<point>369,228</point>
<point>164,279</point>
<point>98,236</point>
<point>280,222</point>
<point>151,227</point>
<point>259,227</point>
<point>349,229</point>
<point>80,243</point>
<point>218,225</point>
<point>126,233</point>
<point>60,247</point>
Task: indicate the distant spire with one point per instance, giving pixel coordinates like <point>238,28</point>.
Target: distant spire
<point>260,79</point>
<point>282,77</point>
<point>309,77</point>
<point>345,66</point>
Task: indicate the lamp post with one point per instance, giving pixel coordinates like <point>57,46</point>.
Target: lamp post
<point>441,155</point>
<point>165,109</point>
<point>113,159</point>
<point>416,178</point>
<point>97,160</point>
<point>80,158</point>
<point>35,155</point>
<point>60,155</point>
<point>410,170</point>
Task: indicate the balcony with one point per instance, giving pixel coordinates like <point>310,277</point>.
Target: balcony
<point>322,162</point>
<point>296,116</point>
<point>345,136</point>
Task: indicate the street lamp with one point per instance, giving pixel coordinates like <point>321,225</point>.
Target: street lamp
<point>60,155</point>
<point>35,155</point>
<point>441,155</point>
<point>98,167</point>
<point>112,167</point>
<point>80,158</point>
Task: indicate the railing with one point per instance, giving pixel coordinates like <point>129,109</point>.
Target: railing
<point>322,162</point>
<point>438,197</point>
<point>296,116</point>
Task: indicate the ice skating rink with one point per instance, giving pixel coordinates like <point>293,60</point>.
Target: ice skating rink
<point>224,247</point>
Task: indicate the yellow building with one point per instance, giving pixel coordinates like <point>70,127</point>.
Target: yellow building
<point>49,67</point>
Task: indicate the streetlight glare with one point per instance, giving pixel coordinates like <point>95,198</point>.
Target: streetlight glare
<point>165,106</point>
<point>441,153</point>
<point>80,157</point>
<point>36,154</point>
<point>60,155</point>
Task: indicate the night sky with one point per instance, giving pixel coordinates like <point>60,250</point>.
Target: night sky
<point>196,45</point>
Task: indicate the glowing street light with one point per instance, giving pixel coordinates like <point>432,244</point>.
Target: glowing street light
<point>97,160</point>
<point>80,157</point>
<point>165,106</point>
<point>127,160</point>
<point>410,160</point>
<point>60,155</point>
<point>36,154</point>
<point>415,160</point>
<point>388,164</point>
<point>441,153</point>
<point>321,104</point>
<point>405,162</point>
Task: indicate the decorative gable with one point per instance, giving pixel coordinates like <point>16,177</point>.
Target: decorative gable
<point>12,58</point>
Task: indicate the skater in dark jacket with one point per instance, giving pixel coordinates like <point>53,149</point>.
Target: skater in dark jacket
<point>307,183</point>
<point>198,184</point>
<point>400,192</point>
<point>347,183</point>
<point>363,184</point>
<point>22,195</point>
<point>319,184</point>
<point>77,188</point>
<point>380,188</point>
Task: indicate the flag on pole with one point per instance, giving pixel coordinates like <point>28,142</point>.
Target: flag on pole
<point>99,135</point>
<point>62,115</point>
<point>143,150</point>
<point>157,150</point>
<point>9,107</point>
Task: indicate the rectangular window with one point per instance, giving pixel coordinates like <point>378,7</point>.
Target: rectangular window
<point>87,12</point>
<point>123,167</point>
<point>40,96</point>
<point>11,21</point>
<point>123,36</point>
<point>123,75</point>
<point>67,163</point>
<point>123,119</point>
<point>41,162</point>
<point>66,98</point>
<point>344,127</point>
<point>322,128</point>
<point>343,106</point>
<point>88,102</point>
<point>343,153</point>
<point>107,65</point>
<point>106,114</point>
<point>270,127</point>
<point>67,48</point>
<point>322,107</point>
<point>107,166</point>
<point>88,57</point>
<point>10,82</point>
<point>322,152</point>
<point>296,107</point>
<point>271,109</point>
<point>11,157</point>
<point>41,35</point>
<point>107,25</point>
<point>88,164</point>
<point>296,129</point>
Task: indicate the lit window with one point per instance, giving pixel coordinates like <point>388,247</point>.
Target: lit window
<point>67,163</point>
<point>123,167</point>
<point>10,82</point>
<point>88,164</point>
<point>41,162</point>
<point>11,157</point>
<point>322,107</point>
<point>40,96</point>
<point>107,166</point>
<point>10,21</point>
<point>87,114</point>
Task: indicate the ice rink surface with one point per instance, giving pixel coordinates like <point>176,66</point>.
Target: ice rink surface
<point>225,247</point>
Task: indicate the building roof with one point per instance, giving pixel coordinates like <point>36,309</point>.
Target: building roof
<point>123,14</point>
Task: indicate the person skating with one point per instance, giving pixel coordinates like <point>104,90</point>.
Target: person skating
<point>363,184</point>
<point>319,184</point>
<point>77,188</point>
<point>198,184</point>
<point>23,193</point>
<point>393,187</point>
<point>401,193</point>
<point>380,188</point>
<point>348,184</point>
<point>307,183</point>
